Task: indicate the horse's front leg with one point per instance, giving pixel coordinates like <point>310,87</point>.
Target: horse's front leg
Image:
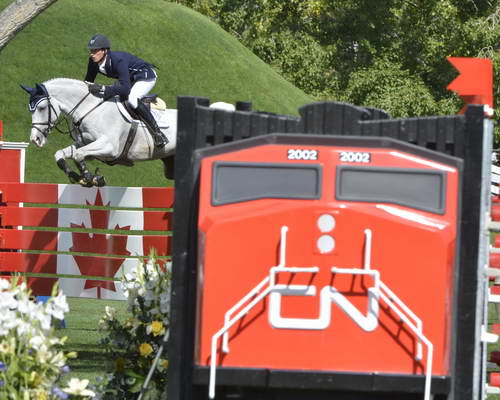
<point>87,178</point>
<point>61,156</point>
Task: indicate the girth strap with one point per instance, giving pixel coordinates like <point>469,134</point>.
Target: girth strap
<point>122,158</point>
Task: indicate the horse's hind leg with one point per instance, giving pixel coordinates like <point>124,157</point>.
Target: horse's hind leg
<point>169,166</point>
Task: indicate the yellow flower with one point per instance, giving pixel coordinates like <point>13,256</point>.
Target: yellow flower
<point>4,347</point>
<point>156,328</point>
<point>145,349</point>
<point>162,365</point>
<point>41,395</point>
<point>120,364</point>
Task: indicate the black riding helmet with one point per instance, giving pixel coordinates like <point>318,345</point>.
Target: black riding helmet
<point>97,42</point>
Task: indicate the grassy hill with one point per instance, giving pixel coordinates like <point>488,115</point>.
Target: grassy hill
<point>195,57</point>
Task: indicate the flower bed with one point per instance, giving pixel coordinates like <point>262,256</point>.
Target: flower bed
<point>137,344</point>
<point>32,362</point>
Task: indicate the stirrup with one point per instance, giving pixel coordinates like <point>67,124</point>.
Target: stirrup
<point>159,140</point>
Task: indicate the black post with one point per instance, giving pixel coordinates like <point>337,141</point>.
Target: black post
<point>180,347</point>
<point>467,350</point>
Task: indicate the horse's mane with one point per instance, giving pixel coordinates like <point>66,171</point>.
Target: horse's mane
<point>69,80</point>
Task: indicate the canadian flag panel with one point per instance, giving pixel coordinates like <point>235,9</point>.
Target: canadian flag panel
<point>97,243</point>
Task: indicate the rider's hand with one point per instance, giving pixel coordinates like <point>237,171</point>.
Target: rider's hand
<point>96,89</point>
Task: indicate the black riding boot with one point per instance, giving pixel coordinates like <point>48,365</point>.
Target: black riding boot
<point>146,117</point>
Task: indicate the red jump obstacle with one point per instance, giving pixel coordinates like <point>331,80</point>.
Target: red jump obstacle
<point>73,219</point>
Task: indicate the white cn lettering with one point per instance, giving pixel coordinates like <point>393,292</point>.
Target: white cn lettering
<point>329,294</point>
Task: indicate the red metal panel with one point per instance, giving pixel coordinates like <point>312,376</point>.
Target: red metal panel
<point>29,192</point>
<point>158,197</point>
<point>239,244</point>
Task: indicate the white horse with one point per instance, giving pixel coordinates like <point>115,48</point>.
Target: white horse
<point>100,129</point>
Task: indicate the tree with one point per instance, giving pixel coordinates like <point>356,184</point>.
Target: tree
<point>390,54</point>
<point>17,15</point>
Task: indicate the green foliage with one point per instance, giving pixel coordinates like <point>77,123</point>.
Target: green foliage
<point>195,57</point>
<point>338,44</point>
<point>387,86</point>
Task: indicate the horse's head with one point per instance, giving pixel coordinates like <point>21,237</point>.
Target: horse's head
<point>45,112</point>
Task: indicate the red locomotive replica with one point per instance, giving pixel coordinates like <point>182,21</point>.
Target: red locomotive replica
<point>341,257</point>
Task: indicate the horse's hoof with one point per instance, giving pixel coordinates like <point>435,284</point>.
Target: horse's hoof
<point>85,183</point>
<point>99,181</point>
<point>74,177</point>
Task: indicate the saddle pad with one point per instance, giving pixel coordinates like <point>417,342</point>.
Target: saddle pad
<point>159,116</point>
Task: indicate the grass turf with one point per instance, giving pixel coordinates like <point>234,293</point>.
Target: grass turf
<point>82,330</point>
<point>195,57</point>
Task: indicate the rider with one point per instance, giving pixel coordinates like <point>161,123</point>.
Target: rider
<point>136,78</point>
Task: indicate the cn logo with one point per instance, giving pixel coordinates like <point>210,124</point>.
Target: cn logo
<point>328,295</point>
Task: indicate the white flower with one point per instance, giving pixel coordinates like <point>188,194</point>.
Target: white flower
<point>57,306</point>
<point>110,313</point>
<point>78,387</point>
<point>7,300</point>
<point>36,341</point>
<point>45,320</point>
<point>4,284</point>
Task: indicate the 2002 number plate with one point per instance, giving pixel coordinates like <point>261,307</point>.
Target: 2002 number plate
<point>355,156</point>
<point>302,154</point>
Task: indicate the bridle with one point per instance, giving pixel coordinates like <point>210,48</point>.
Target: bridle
<point>51,125</point>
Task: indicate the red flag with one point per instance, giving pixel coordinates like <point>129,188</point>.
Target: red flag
<point>475,83</point>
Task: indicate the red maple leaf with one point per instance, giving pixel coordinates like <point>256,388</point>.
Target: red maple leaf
<point>98,243</point>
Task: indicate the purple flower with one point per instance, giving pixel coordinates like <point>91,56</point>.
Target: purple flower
<point>59,393</point>
<point>65,369</point>
<point>2,366</point>
<point>1,383</point>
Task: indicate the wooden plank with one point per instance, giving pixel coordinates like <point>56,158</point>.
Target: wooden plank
<point>29,192</point>
<point>48,217</point>
<point>75,194</point>
<point>28,216</point>
<point>28,262</point>
<point>83,242</point>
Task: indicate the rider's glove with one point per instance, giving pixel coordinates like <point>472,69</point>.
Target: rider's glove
<point>96,89</point>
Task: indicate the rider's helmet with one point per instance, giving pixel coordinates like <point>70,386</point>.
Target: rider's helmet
<point>97,42</point>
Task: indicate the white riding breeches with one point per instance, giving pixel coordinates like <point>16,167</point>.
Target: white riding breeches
<point>140,89</point>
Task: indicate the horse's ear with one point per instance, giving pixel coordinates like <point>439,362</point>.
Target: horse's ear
<point>27,88</point>
<point>40,89</point>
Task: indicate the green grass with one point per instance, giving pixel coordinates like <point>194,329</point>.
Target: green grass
<point>84,337</point>
<point>195,57</point>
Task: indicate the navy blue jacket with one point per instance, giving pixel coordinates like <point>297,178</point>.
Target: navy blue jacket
<point>123,66</point>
